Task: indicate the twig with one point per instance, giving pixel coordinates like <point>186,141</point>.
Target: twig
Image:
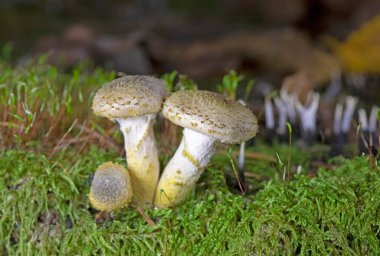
<point>148,220</point>
<point>240,183</point>
<point>63,138</point>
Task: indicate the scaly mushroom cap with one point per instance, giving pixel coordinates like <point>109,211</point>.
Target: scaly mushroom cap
<point>211,114</point>
<point>111,187</point>
<point>129,96</point>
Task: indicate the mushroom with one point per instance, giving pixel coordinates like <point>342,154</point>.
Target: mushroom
<point>111,187</point>
<point>339,137</point>
<point>207,117</point>
<point>241,162</point>
<point>282,117</point>
<point>348,113</point>
<point>372,125</point>
<point>290,105</point>
<point>133,102</point>
<point>373,130</point>
<point>364,133</point>
<point>338,113</point>
<point>269,120</point>
<point>308,117</point>
<point>342,124</point>
<point>269,114</point>
<point>368,142</point>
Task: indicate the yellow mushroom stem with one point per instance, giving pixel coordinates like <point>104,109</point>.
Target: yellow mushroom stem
<point>184,169</point>
<point>142,157</point>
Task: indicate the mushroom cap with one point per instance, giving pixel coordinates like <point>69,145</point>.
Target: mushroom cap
<point>111,187</point>
<point>211,114</point>
<point>129,96</point>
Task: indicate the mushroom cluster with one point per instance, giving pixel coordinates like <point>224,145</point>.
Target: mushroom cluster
<point>133,102</point>
<point>333,110</point>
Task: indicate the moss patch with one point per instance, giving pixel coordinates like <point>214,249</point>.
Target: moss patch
<point>46,158</point>
<point>45,209</point>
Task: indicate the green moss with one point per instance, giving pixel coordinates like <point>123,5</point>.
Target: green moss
<point>44,208</point>
<point>42,103</point>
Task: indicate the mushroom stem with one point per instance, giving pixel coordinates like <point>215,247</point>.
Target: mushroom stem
<point>373,119</point>
<point>281,107</point>
<point>241,179</point>
<point>368,143</point>
<point>339,136</point>
<point>348,113</point>
<point>184,169</point>
<point>363,119</point>
<point>308,117</point>
<point>289,101</point>
<point>308,114</point>
<point>337,126</point>
<point>142,157</point>
<point>364,133</point>
<point>373,131</point>
<point>269,115</point>
<point>242,158</point>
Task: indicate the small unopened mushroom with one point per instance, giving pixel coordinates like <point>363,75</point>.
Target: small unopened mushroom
<point>133,102</point>
<point>207,117</point>
<point>111,187</point>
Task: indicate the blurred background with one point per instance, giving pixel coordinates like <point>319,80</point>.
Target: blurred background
<point>270,39</point>
<point>299,44</point>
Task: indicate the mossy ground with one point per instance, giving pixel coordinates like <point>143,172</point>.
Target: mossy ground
<point>44,208</point>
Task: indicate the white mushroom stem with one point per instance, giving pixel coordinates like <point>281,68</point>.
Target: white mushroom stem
<point>290,104</point>
<point>269,116</point>
<point>242,157</point>
<point>348,113</point>
<point>241,178</point>
<point>280,105</point>
<point>184,169</point>
<point>372,126</point>
<point>308,115</point>
<point>334,87</point>
<point>338,119</point>
<point>363,119</point>
<point>142,157</point>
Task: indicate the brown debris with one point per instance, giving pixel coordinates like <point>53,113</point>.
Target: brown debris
<point>280,51</point>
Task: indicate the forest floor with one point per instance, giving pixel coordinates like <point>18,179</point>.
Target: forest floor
<point>51,144</point>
